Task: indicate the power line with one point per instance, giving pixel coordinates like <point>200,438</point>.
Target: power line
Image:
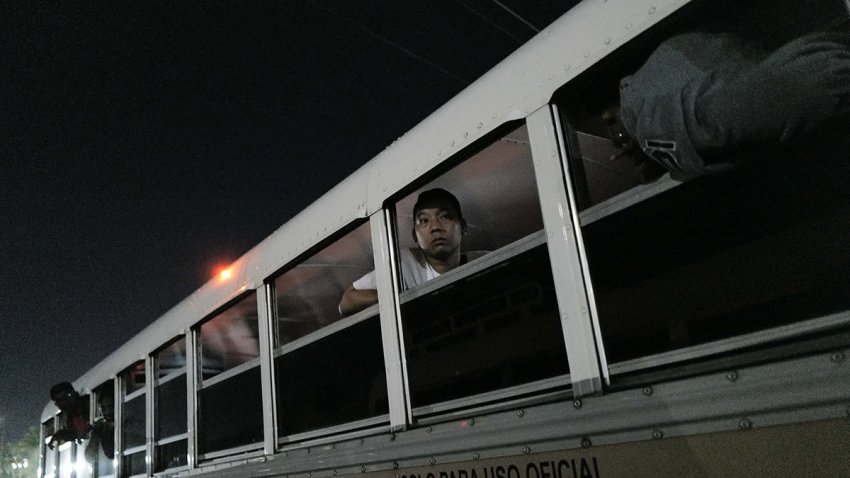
<point>392,43</point>
<point>517,16</point>
<point>489,22</point>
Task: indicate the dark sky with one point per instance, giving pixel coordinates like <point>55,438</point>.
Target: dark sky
<point>144,144</point>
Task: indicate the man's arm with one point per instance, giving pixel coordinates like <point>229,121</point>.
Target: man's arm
<point>355,300</point>
<point>62,436</point>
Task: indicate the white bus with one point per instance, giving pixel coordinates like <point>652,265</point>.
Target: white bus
<point>623,322</point>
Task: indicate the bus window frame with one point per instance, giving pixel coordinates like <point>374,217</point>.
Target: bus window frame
<point>195,366</point>
<point>390,293</point>
<point>157,381</point>
<point>122,450</point>
<point>362,427</point>
<point>735,350</point>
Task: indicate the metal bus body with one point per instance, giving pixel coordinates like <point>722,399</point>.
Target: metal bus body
<point>618,325</point>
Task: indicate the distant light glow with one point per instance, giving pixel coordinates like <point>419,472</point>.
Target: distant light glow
<point>225,274</point>
<point>80,467</point>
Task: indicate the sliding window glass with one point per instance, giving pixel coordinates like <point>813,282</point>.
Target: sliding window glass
<point>170,424</point>
<point>709,164</point>
<point>329,369</point>
<point>478,306</point>
<point>133,406</point>
<point>230,414</point>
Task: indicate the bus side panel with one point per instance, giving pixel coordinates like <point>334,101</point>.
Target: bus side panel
<point>806,449</point>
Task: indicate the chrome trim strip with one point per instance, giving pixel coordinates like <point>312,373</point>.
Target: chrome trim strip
<point>171,439</point>
<point>327,330</point>
<point>241,453</point>
<point>335,433</point>
<point>821,324</point>
<point>254,362</point>
<point>470,269</point>
<point>466,403</point>
<point>627,199</point>
<point>171,376</point>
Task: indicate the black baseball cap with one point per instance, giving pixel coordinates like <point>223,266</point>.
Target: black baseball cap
<point>436,197</point>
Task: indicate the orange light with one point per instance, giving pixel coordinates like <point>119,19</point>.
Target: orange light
<point>226,274</point>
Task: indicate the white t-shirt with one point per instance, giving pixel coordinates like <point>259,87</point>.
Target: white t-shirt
<point>415,270</point>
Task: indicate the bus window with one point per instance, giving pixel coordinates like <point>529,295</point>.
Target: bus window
<point>49,460</point>
<point>170,424</point>
<point>478,309</point>
<point>313,340</point>
<point>229,400</point>
<point>133,430</point>
<point>100,450</point>
<point>72,424</point>
<point>230,339</point>
<point>748,239</point>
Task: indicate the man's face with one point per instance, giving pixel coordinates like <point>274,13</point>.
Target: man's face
<point>64,400</point>
<point>438,230</point>
<point>107,407</point>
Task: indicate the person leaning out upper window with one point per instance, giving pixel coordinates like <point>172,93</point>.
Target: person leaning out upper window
<point>75,419</point>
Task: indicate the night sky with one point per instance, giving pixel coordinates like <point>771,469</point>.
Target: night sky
<point>143,145</point>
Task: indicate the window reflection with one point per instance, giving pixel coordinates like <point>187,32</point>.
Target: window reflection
<point>314,340</point>
<point>230,338</point>
<point>307,295</point>
<point>229,407</point>
<point>133,409</point>
<point>134,378</point>
<point>171,358</point>
<point>170,409</point>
